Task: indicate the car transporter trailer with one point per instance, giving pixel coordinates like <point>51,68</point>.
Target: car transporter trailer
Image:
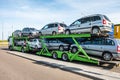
<point>80,55</point>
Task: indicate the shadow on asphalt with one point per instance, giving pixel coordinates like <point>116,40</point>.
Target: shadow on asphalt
<point>65,68</point>
<point>4,48</point>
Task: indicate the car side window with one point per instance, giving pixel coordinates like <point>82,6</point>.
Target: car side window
<point>110,42</point>
<point>24,29</point>
<point>82,20</point>
<point>86,41</point>
<point>77,23</point>
<point>97,41</point>
<point>45,27</point>
<point>95,18</point>
<point>56,25</point>
<point>51,25</point>
<point>85,20</point>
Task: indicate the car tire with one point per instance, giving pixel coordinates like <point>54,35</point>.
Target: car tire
<point>54,33</point>
<point>22,50</point>
<point>107,56</point>
<point>67,32</point>
<point>74,49</point>
<point>96,30</point>
<point>61,48</point>
<point>64,57</point>
<point>54,55</point>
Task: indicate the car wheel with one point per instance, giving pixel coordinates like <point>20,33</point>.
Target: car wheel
<point>74,49</point>
<point>54,33</point>
<point>67,32</point>
<point>61,48</point>
<point>65,57</point>
<point>96,30</point>
<point>107,56</point>
<point>54,55</point>
<point>22,50</point>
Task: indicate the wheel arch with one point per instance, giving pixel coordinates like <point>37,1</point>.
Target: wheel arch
<point>106,52</point>
<point>95,27</point>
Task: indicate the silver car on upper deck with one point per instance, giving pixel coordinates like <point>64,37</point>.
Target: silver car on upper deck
<point>94,24</point>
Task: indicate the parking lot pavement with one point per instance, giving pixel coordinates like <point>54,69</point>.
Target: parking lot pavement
<point>72,67</point>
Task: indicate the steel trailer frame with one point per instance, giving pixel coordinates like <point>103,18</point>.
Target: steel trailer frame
<point>24,48</point>
<point>70,56</point>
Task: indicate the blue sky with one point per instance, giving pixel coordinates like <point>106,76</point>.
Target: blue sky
<point>17,14</point>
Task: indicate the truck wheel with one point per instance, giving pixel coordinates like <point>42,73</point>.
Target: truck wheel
<point>107,56</point>
<point>64,57</point>
<point>22,50</point>
<point>10,48</point>
<point>54,55</point>
<point>36,47</point>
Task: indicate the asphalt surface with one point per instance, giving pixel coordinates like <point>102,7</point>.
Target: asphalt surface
<point>17,68</point>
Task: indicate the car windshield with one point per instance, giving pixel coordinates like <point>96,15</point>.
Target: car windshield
<point>107,18</point>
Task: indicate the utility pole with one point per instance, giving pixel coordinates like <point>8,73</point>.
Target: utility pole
<point>2,30</point>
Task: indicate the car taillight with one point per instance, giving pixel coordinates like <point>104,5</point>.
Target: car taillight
<point>104,21</point>
<point>59,27</point>
<point>118,49</point>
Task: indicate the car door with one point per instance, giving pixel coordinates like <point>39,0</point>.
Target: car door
<point>51,28</point>
<point>96,47</point>
<point>54,27</point>
<point>30,42</point>
<point>85,24</point>
<point>44,30</point>
<point>109,46</point>
<point>53,44</point>
<point>75,26</point>
<point>86,45</point>
<point>96,21</point>
<point>24,31</point>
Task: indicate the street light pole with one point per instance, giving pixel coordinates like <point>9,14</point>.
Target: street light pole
<point>2,30</point>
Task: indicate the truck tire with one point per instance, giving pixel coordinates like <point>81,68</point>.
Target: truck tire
<point>22,50</point>
<point>54,55</point>
<point>64,57</point>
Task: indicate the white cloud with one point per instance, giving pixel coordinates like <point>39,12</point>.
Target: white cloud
<point>28,15</point>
